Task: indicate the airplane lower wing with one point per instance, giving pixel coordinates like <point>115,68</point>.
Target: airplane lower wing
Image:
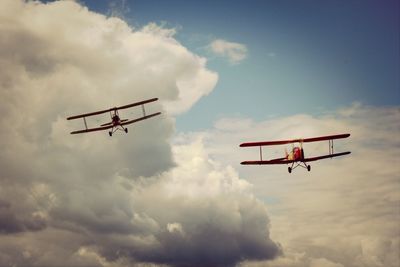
<point>141,118</point>
<point>92,129</point>
<point>285,161</point>
<point>267,162</point>
<point>326,156</point>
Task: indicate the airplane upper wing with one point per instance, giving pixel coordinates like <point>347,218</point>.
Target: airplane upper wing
<point>305,140</point>
<point>322,138</point>
<point>268,143</point>
<point>137,103</point>
<point>111,109</point>
<point>89,114</point>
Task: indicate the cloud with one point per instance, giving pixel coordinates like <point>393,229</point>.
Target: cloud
<point>234,52</point>
<point>92,200</point>
<point>210,211</point>
<point>342,213</point>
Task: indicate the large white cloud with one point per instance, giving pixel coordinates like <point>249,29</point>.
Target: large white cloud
<point>92,200</point>
<point>345,212</point>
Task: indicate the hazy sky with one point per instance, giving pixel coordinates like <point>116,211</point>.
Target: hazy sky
<point>172,191</point>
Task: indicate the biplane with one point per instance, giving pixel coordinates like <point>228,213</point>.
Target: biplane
<point>296,157</point>
<point>116,123</point>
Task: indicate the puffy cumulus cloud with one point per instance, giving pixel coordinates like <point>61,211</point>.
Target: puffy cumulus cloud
<point>234,52</point>
<point>203,214</point>
<point>97,54</point>
<point>345,212</point>
<point>91,200</point>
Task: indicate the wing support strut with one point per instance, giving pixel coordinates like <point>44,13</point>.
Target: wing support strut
<point>144,111</point>
<point>261,153</point>
<point>84,120</point>
<point>331,147</point>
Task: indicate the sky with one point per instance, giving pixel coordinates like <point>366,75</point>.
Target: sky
<point>172,191</point>
<point>310,56</point>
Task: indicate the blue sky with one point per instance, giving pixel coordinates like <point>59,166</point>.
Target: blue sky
<point>302,56</point>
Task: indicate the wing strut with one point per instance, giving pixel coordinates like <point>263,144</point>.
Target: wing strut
<point>84,120</point>
<point>261,153</point>
<point>144,111</point>
<point>330,146</point>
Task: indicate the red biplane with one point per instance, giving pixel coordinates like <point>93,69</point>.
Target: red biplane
<point>296,157</point>
<point>116,122</point>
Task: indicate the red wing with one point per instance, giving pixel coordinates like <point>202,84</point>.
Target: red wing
<point>326,156</point>
<point>92,129</point>
<point>269,143</point>
<point>267,162</point>
<point>137,103</point>
<point>139,119</point>
<point>283,142</point>
<point>328,137</point>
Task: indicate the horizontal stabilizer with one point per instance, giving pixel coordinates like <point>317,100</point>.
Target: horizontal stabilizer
<point>106,124</point>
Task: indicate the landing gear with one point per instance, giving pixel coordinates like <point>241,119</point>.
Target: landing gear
<point>298,164</point>
<point>126,130</point>
<point>110,133</point>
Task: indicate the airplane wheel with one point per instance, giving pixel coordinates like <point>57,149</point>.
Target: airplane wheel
<point>308,168</point>
<point>110,133</point>
<point>289,170</point>
<point>126,130</point>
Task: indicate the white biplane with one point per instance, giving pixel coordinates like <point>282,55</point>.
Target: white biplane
<point>116,122</point>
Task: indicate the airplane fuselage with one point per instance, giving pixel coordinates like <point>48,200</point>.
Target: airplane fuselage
<point>116,120</point>
<point>296,154</point>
